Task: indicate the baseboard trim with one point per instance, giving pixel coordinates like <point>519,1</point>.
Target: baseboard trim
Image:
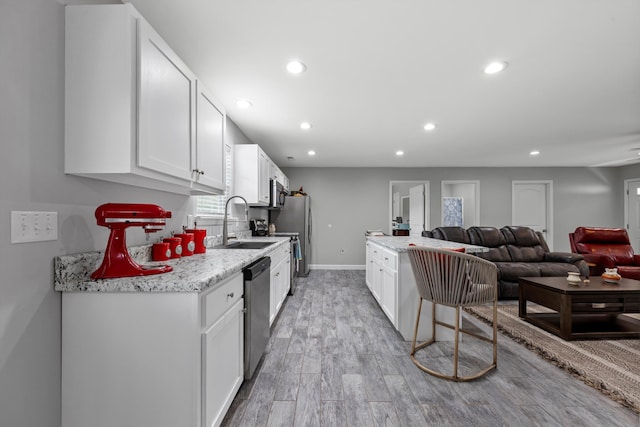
<point>335,267</point>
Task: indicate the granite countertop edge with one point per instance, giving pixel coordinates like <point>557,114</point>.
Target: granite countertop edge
<point>195,273</point>
<point>401,243</point>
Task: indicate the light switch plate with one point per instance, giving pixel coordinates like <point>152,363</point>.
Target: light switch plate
<point>33,226</point>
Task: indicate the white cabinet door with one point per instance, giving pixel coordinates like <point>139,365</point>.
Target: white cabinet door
<point>222,364</point>
<point>166,107</point>
<point>280,280</point>
<point>251,174</point>
<point>389,291</point>
<point>209,152</point>
<point>252,171</point>
<point>264,168</point>
<point>369,267</point>
<point>273,300</point>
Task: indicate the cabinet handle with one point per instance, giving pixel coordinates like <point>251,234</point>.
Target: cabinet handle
<point>198,172</point>
<point>386,259</point>
<point>230,295</point>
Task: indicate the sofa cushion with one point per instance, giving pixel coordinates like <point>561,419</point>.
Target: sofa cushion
<point>523,244</point>
<point>520,236</point>
<point>452,234</point>
<point>629,272</point>
<point>510,271</point>
<point>490,237</point>
<point>556,268</point>
<point>526,254</point>
<point>613,242</point>
<point>601,235</point>
<point>493,239</point>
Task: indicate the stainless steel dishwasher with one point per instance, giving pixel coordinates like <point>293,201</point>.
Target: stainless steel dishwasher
<point>257,292</point>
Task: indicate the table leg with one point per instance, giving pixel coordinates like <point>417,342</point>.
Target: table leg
<point>565,317</point>
<point>522,302</point>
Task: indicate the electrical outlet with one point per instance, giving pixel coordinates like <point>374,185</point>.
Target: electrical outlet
<point>33,226</point>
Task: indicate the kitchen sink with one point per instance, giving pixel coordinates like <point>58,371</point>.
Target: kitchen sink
<point>245,245</point>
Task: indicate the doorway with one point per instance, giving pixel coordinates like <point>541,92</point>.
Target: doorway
<point>460,204</point>
<point>632,211</point>
<point>531,206</point>
<point>409,200</point>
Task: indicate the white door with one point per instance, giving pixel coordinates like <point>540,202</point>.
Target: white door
<point>633,213</point>
<point>395,206</point>
<point>417,210</point>
<point>531,206</point>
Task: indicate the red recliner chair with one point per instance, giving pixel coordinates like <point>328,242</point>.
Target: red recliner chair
<point>606,248</point>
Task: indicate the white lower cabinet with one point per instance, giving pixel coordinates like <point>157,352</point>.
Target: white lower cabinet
<point>382,278</point>
<point>151,359</point>
<point>280,279</point>
<point>390,279</point>
<point>222,364</point>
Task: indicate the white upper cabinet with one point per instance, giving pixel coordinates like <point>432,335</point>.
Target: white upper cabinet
<point>134,112</point>
<point>166,106</point>
<point>251,174</point>
<point>209,154</point>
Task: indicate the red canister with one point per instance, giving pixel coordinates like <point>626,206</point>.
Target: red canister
<point>161,251</point>
<point>175,245</point>
<point>198,238</point>
<point>188,245</point>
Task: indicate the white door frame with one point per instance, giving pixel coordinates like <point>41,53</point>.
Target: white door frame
<point>549,214</point>
<point>626,202</point>
<point>476,190</point>
<point>426,201</point>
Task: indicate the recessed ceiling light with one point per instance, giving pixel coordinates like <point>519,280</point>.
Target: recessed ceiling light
<point>429,126</point>
<point>305,125</point>
<point>243,103</point>
<point>296,67</point>
<point>534,153</point>
<point>399,153</point>
<point>311,153</point>
<point>495,67</point>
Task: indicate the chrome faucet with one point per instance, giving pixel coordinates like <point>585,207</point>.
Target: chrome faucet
<point>225,232</point>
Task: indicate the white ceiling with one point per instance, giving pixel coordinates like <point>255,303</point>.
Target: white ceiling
<point>378,70</point>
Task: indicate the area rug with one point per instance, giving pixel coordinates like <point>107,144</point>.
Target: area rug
<point>610,366</point>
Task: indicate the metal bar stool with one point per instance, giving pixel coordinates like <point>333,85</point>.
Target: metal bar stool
<point>456,280</point>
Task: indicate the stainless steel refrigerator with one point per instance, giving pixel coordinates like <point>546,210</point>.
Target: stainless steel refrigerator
<point>295,217</point>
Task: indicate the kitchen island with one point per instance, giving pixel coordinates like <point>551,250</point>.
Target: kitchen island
<point>161,350</point>
<point>389,277</point>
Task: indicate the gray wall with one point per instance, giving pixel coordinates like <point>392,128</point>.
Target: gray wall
<point>32,178</point>
<point>347,201</point>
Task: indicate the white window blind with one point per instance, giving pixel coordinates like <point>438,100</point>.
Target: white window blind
<point>214,205</point>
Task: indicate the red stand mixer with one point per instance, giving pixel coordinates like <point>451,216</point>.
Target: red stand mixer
<point>118,217</point>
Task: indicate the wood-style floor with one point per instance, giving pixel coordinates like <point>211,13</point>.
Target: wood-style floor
<point>335,360</point>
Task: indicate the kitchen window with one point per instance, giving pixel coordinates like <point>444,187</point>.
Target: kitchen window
<point>214,205</point>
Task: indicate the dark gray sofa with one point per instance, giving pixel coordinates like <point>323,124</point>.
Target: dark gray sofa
<point>517,252</point>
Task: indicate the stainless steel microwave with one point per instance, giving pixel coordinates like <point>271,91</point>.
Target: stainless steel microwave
<point>277,195</point>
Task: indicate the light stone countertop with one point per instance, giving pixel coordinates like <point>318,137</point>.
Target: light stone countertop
<point>190,274</point>
<point>401,243</point>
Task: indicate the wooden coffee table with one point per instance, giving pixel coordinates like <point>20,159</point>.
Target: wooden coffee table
<point>588,310</point>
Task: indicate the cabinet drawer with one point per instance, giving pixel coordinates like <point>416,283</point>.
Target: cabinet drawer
<point>376,253</point>
<point>220,299</point>
<point>389,259</point>
<point>278,255</point>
